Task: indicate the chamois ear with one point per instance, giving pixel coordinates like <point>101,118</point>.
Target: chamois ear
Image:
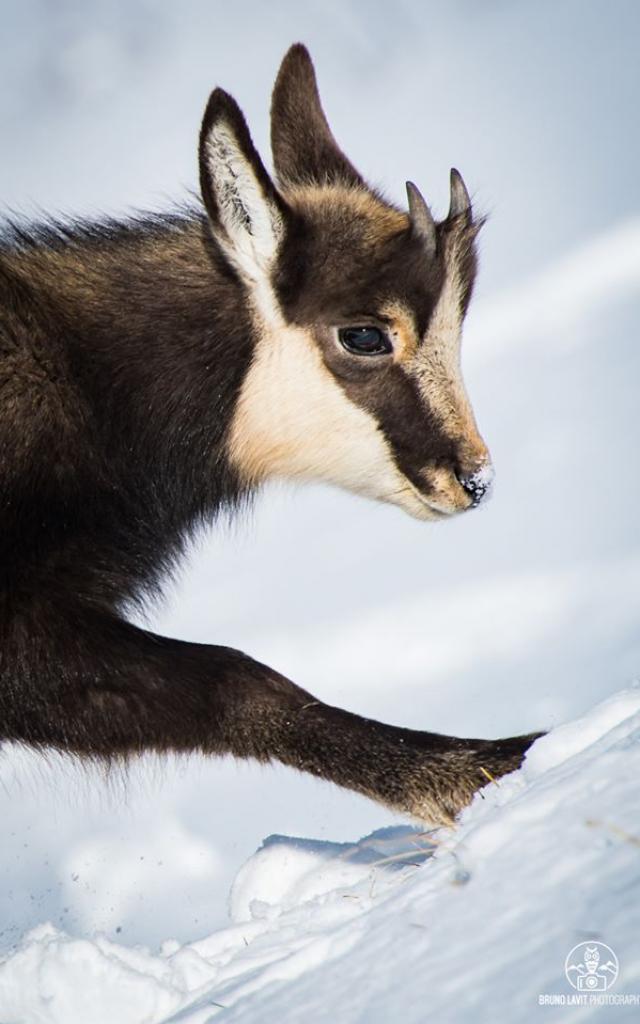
<point>304,150</point>
<point>246,213</point>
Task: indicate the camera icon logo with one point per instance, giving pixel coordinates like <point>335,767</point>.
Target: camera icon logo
<point>591,967</point>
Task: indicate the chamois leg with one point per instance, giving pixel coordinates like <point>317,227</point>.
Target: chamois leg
<point>101,687</point>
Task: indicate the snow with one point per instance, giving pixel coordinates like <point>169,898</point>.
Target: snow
<point>453,925</point>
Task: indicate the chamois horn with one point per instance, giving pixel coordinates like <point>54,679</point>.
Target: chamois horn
<point>421,218</point>
<point>460,202</point>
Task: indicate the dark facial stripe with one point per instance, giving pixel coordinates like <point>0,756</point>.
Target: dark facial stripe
<point>414,433</point>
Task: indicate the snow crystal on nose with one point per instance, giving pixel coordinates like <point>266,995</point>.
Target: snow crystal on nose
<point>478,485</point>
<point>482,479</point>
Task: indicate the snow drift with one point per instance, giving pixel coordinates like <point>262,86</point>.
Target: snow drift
<point>454,925</point>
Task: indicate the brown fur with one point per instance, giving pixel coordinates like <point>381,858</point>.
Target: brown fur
<point>152,374</point>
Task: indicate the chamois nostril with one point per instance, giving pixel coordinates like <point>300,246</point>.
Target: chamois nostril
<point>477,484</point>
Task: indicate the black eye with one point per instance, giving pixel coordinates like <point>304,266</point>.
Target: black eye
<point>365,341</point>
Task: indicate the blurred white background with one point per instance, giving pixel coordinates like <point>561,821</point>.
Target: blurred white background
<point>506,620</point>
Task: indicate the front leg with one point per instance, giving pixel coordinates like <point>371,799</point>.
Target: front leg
<point>78,679</point>
<point>463,772</point>
<point>428,776</point>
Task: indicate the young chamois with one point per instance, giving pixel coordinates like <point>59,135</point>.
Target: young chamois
<point>155,372</point>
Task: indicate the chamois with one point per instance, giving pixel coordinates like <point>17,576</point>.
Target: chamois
<point>155,372</point>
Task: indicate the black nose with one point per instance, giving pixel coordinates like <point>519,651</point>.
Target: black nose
<point>477,484</point>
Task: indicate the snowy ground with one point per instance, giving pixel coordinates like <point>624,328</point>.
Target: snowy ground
<point>456,925</point>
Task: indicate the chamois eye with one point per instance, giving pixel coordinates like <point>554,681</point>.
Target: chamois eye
<point>364,341</point>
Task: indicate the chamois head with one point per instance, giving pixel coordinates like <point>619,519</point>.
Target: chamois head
<point>357,308</point>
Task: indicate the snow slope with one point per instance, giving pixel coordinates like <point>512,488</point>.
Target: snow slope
<point>456,925</point>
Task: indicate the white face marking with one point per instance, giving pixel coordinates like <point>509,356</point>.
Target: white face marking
<point>437,362</point>
<point>294,421</point>
<point>252,222</point>
<point>436,366</point>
